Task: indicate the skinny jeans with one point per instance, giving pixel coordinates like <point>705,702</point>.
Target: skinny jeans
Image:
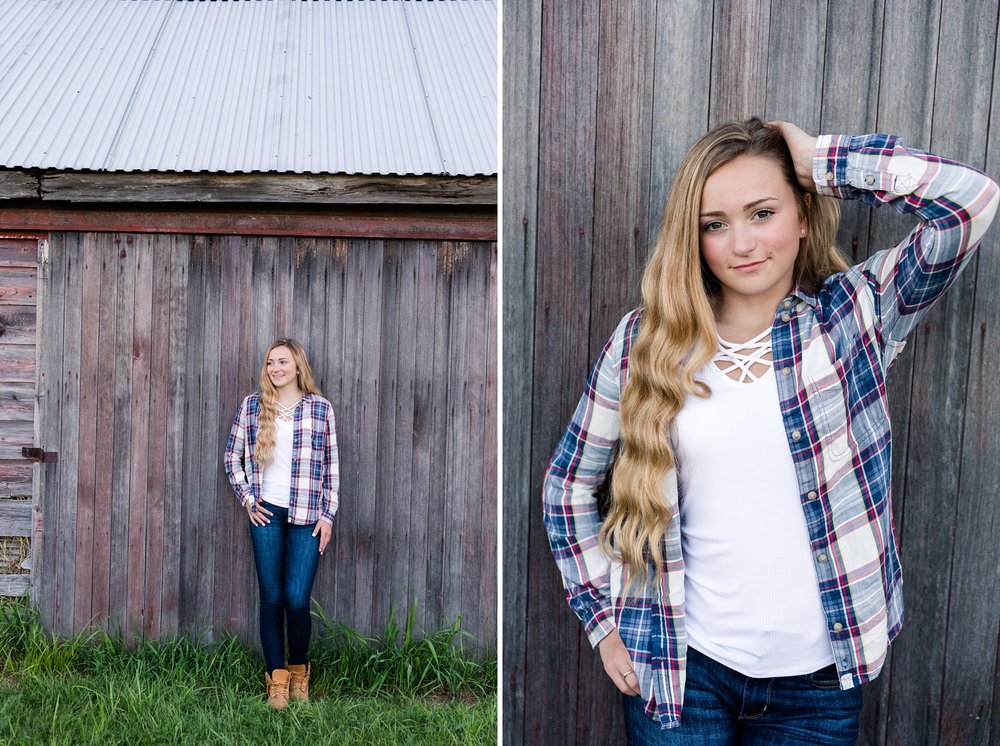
<point>286,556</point>
<point>723,707</point>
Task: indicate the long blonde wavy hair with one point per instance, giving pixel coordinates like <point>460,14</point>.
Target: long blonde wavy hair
<point>677,335</point>
<point>264,452</point>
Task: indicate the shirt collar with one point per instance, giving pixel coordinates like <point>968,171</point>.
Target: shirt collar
<point>804,295</point>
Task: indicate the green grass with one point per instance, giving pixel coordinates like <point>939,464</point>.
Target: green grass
<point>96,688</point>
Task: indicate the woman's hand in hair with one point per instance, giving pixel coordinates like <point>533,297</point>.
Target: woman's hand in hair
<point>618,664</point>
<point>802,146</point>
<point>324,530</point>
<point>258,513</point>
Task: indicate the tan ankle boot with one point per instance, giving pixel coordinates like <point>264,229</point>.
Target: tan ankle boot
<point>277,689</point>
<point>299,681</point>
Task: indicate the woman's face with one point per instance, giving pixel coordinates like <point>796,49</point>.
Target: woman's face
<point>749,230</point>
<point>281,367</point>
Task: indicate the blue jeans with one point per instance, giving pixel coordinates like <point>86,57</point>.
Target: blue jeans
<point>286,556</point>
<point>722,706</point>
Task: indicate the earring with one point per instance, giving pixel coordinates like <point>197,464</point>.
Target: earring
<point>802,232</point>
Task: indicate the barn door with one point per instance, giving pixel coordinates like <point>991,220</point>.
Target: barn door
<point>21,259</point>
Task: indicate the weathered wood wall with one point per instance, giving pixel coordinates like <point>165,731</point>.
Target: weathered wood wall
<point>18,340</point>
<point>601,100</point>
<point>150,342</point>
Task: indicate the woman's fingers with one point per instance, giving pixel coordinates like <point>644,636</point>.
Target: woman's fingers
<point>801,145</point>
<point>618,664</point>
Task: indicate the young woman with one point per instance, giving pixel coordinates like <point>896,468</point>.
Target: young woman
<point>746,568</point>
<point>281,459</point>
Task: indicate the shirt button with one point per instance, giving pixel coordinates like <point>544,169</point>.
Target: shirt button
<point>869,180</point>
<point>786,371</point>
<point>823,558</point>
<point>837,627</point>
<point>785,317</point>
<point>811,494</point>
<point>829,175</point>
<point>796,435</point>
<point>787,304</point>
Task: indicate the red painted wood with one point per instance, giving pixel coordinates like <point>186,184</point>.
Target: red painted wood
<point>396,225</point>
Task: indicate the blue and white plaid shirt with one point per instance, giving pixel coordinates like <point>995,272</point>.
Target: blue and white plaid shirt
<point>315,467</point>
<point>831,351</point>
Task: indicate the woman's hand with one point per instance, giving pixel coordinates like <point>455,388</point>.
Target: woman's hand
<point>802,147</point>
<point>258,513</point>
<point>618,664</point>
<point>324,530</point>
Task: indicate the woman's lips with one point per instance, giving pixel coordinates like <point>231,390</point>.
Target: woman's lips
<point>749,267</point>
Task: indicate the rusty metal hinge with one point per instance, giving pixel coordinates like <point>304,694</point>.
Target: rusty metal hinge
<point>40,454</point>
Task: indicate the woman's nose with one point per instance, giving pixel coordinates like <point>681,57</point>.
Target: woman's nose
<point>743,242</point>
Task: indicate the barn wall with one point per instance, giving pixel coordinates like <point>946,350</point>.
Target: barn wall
<point>152,340</point>
<point>602,99</point>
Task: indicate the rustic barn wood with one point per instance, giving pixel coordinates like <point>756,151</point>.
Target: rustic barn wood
<point>522,39</point>
<point>13,585</point>
<point>18,184</point>
<point>271,188</point>
<point>480,226</point>
<point>928,71</point>
<point>155,341</point>
<point>15,518</point>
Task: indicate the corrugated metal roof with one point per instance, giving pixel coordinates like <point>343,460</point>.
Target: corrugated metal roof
<point>290,86</point>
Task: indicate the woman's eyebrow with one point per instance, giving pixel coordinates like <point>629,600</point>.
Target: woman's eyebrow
<point>747,206</point>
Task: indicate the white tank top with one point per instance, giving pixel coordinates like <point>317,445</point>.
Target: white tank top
<point>752,597</point>
<point>276,480</point>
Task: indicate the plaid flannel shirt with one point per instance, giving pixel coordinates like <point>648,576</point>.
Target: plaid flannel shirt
<point>315,467</point>
<point>831,350</point>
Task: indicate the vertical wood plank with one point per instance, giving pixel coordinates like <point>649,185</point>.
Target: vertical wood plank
<point>89,311</point>
<point>139,372</point>
<point>968,316</point>
<point>488,590</point>
<point>50,391</point>
<point>175,433</point>
<point>913,709</point>
<point>739,59</point>
<point>188,613</point>
<point>104,443</point>
<point>682,73</point>
<point>385,523</point>
<point>567,140</point>
<point>229,518</point>
<point>160,259</point>
<point>794,64</point>
<point>437,526</point>
<point>522,24</point>
<point>122,428</point>
<point>409,317</point>
<point>69,434</point>
<point>209,475</point>
<point>372,253</point>
<point>621,163</point>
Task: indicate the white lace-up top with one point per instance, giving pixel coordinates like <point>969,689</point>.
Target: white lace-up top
<point>750,591</point>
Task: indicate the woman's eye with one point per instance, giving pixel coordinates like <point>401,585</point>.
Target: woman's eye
<point>713,226</point>
<point>763,214</point>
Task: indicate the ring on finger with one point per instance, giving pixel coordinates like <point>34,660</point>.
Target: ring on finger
<point>627,674</point>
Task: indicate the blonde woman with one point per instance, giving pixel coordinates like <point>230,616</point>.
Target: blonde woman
<point>745,582</point>
<point>281,459</point>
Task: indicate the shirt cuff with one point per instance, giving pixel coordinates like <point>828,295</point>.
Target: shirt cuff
<point>830,164</point>
<point>601,624</point>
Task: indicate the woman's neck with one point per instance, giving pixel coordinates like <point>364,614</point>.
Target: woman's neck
<point>288,395</point>
<point>741,318</point>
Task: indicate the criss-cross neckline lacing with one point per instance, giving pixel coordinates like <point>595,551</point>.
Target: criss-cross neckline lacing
<point>742,356</point>
<point>286,414</point>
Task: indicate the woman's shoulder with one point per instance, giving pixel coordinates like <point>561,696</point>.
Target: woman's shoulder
<point>318,402</point>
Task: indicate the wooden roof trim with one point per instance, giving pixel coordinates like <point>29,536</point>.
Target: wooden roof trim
<point>403,225</point>
<point>332,189</point>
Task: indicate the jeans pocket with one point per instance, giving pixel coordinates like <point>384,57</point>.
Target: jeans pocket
<point>825,678</point>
